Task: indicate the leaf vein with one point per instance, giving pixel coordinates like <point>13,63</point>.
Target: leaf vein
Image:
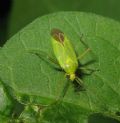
<point>22,42</point>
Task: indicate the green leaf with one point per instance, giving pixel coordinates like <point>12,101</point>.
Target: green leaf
<point>35,80</point>
<point>41,7</point>
<point>6,103</point>
<point>29,115</point>
<point>3,119</point>
<point>64,113</point>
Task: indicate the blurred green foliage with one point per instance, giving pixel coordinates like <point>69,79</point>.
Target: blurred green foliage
<point>25,11</point>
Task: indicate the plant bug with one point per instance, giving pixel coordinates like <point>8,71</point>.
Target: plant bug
<point>65,55</point>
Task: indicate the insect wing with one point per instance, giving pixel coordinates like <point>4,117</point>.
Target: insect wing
<point>64,51</point>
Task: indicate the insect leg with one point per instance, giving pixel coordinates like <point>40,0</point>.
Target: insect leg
<point>42,54</point>
<point>83,54</point>
<point>83,42</point>
<point>64,91</point>
<point>91,70</point>
<point>86,47</point>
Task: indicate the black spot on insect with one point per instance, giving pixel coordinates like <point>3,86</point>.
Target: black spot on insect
<point>58,35</point>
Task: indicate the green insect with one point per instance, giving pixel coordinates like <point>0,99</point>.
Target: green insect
<point>65,55</point>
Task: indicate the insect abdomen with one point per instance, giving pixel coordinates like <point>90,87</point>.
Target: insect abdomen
<point>64,51</point>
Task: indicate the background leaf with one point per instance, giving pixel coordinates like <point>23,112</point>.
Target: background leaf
<point>36,81</point>
<point>6,103</point>
<point>36,8</point>
<point>3,119</point>
<point>16,16</point>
